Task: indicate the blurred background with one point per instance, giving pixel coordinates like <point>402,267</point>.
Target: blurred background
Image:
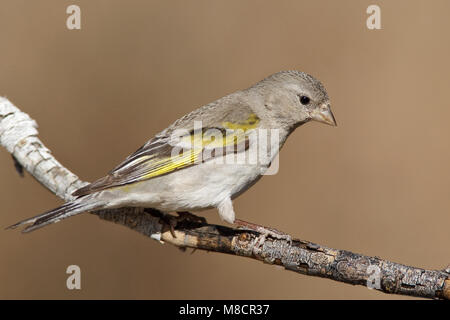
<point>377,184</point>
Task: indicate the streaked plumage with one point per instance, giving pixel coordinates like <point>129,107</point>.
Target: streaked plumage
<point>158,177</point>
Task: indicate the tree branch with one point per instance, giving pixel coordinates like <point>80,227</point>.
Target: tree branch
<point>18,134</point>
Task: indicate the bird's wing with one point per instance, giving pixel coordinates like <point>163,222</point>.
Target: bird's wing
<point>173,150</point>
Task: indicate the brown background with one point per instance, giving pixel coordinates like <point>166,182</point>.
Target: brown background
<point>378,184</point>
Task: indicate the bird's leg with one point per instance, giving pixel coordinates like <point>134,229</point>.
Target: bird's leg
<point>165,219</point>
<point>265,231</point>
<point>183,216</point>
<point>190,217</point>
<point>171,221</point>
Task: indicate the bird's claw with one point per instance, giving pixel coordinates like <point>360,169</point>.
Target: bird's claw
<point>190,217</point>
<point>171,221</point>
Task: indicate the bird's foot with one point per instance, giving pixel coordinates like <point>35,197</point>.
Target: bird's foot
<point>169,221</point>
<point>190,217</point>
<point>183,216</point>
<point>264,231</point>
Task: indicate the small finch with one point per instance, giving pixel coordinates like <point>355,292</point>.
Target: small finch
<point>191,165</point>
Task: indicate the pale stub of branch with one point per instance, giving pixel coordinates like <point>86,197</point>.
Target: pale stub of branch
<point>18,134</point>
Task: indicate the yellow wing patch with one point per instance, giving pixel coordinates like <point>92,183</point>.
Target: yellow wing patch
<point>196,143</point>
<point>251,123</point>
<point>163,166</point>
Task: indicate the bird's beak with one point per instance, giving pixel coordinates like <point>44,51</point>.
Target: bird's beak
<point>323,114</point>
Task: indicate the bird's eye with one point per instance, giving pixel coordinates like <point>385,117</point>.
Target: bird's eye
<point>304,100</point>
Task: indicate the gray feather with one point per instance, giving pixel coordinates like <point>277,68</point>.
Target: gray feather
<point>66,210</point>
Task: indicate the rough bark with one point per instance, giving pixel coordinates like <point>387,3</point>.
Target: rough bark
<point>18,134</point>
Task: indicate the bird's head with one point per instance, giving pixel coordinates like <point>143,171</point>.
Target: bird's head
<point>295,97</point>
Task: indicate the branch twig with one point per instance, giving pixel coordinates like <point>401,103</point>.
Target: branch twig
<point>18,134</point>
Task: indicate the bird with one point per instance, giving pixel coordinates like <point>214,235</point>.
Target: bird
<point>191,165</point>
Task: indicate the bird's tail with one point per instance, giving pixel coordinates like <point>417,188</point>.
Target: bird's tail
<point>66,210</point>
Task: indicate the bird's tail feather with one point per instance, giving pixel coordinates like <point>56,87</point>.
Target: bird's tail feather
<point>66,210</point>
